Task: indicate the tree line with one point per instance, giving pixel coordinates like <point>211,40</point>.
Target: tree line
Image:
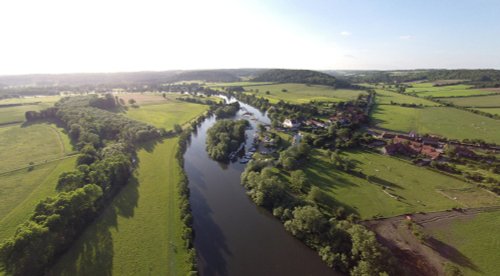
<point>106,142</point>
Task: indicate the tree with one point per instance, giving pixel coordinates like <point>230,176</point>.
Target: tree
<point>306,220</point>
<point>131,101</point>
<point>177,128</point>
<point>298,180</point>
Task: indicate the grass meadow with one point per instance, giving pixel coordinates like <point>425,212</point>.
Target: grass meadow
<point>494,111</point>
<point>386,97</point>
<point>139,233</point>
<point>166,115</point>
<point>481,101</point>
<point>444,121</point>
<point>477,239</point>
<point>417,188</point>
<point>38,143</point>
<point>458,90</point>
<point>302,93</point>
<point>21,190</point>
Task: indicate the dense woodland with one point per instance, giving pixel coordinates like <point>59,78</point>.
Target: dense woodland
<point>224,137</point>
<point>300,76</point>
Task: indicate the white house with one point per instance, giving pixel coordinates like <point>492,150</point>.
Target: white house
<point>289,123</point>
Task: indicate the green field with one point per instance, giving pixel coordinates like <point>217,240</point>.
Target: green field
<point>458,90</point>
<point>20,191</point>
<point>444,121</point>
<point>302,93</point>
<point>476,239</point>
<point>34,143</point>
<point>494,111</point>
<point>48,100</point>
<point>481,101</point>
<point>241,83</point>
<point>167,114</point>
<point>418,188</point>
<point>386,97</point>
<point>139,233</point>
<point>15,114</point>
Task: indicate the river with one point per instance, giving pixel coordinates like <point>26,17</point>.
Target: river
<point>233,236</point>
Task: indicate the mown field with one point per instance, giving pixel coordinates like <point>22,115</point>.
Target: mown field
<point>386,97</point>
<point>481,101</point>
<point>476,239</point>
<point>417,188</point>
<point>139,233</point>
<point>302,93</point>
<point>21,190</point>
<point>444,121</point>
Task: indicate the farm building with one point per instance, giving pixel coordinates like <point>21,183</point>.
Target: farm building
<point>290,123</point>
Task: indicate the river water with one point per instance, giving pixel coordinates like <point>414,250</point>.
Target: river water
<point>233,236</point>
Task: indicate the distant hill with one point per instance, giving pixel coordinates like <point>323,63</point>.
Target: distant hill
<point>206,75</point>
<point>300,76</point>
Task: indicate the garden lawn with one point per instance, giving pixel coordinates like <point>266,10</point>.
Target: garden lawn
<point>444,121</point>
<point>477,239</point>
<point>139,233</point>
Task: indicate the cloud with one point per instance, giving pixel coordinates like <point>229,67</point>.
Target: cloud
<point>405,37</point>
<point>345,33</point>
<point>349,56</point>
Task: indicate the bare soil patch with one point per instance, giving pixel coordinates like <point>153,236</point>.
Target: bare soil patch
<point>428,257</point>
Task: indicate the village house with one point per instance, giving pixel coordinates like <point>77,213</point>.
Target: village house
<point>404,145</point>
<point>290,123</point>
<point>315,123</point>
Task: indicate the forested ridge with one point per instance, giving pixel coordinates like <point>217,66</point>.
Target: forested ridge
<point>106,142</point>
<point>300,76</point>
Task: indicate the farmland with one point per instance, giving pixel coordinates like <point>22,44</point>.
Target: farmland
<point>444,121</point>
<point>21,190</point>
<point>459,90</point>
<point>302,93</point>
<point>494,111</point>
<point>140,231</point>
<point>481,101</point>
<point>167,114</point>
<point>386,97</point>
<point>418,188</point>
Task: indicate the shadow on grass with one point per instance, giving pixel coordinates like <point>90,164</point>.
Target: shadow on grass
<point>92,253</point>
<point>451,253</point>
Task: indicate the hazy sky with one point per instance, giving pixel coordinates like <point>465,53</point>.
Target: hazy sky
<point>106,35</point>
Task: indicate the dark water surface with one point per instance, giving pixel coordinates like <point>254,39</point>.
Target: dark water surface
<point>233,235</point>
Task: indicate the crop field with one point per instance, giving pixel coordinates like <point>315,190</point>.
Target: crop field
<point>481,101</point>
<point>167,114</point>
<point>36,143</point>
<point>21,190</point>
<point>408,188</point>
<point>444,121</point>
<point>301,93</point>
<point>386,97</point>
<point>494,111</point>
<point>475,242</point>
<point>139,233</point>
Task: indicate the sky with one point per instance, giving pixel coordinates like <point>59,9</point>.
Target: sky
<point>72,36</point>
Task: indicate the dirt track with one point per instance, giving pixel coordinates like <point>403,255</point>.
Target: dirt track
<point>418,258</point>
